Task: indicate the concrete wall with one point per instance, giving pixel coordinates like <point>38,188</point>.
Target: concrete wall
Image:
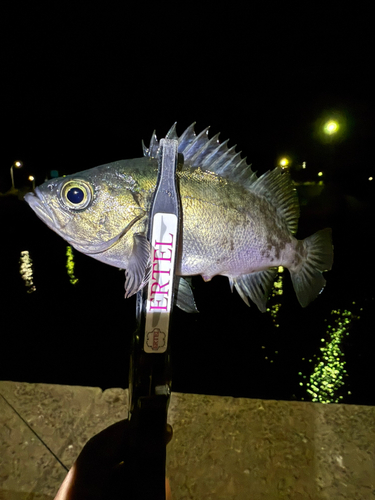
<point>222,447</point>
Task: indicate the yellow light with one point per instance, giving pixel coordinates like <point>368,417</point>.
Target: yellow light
<point>31,178</point>
<point>18,164</point>
<point>370,178</point>
<point>331,127</point>
<point>284,162</point>
<point>320,174</point>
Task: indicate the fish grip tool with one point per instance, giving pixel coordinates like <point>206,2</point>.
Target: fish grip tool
<point>150,372</point>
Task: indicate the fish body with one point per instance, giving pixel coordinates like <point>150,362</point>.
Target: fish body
<point>234,223</point>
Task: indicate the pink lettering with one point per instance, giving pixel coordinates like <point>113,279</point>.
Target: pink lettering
<point>158,271</point>
<point>158,289</point>
<point>159,307</point>
<point>162,253</point>
<point>165,243</point>
<point>156,284</point>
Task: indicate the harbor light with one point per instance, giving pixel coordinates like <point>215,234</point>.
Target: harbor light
<point>32,179</point>
<point>331,127</point>
<point>284,162</point>
<point>16,164</point>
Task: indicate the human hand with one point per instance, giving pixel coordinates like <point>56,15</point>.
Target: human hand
<point>100,471</point>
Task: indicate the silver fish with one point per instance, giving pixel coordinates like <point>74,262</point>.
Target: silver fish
<point>235,224</point>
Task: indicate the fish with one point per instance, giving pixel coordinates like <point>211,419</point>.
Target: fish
<point>234,223</point>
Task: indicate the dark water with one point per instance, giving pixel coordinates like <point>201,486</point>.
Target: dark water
<point>57,332</point>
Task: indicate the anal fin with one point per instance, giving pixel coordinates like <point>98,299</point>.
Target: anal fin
<point>257,286</point>
<point>184,296</point>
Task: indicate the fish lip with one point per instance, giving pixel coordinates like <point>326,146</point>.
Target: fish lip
<point>38,203</point>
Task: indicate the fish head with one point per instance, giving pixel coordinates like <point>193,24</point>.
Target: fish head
<point>94,211</point>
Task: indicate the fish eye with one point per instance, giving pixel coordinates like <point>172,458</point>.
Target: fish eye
<point>76,194</point>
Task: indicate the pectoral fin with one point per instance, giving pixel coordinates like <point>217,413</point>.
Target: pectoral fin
<point>185,298</point>
<point>138,272</point>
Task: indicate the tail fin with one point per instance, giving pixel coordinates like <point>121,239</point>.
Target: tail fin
<point>317,255</point>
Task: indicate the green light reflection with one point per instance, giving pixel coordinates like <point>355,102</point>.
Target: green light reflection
<point>277,290</point>
<point>70,265</point>
<point>329,372</point>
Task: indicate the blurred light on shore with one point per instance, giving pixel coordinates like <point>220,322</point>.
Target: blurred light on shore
<point>331,127</point>
<point>284,162</point>
<point>16,164</point>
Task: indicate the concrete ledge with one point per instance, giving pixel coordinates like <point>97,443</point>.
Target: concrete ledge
<point>223,448</point>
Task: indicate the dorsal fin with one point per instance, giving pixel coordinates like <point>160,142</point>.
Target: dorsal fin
<point>277,187</point>
<point>208,154</point>
<point>172,134</point>
<point>152,150</point>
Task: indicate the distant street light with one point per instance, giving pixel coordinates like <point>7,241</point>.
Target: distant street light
<point>17,164</point>
<point>331,127</point>
<point>284,162</point>
<point>32,179</point>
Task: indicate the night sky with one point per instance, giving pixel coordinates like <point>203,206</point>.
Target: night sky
<point>84,85</point>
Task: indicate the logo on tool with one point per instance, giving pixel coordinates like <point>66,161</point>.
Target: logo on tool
<point>156,339</point>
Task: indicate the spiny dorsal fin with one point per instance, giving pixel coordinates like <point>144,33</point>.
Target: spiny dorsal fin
<point>172,134</point>
<point>208,154</point>
<point>152,150</point>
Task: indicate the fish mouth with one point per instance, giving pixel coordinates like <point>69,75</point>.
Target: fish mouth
<point>37,203</point>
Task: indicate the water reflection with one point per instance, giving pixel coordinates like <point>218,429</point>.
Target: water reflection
<point>70,265</point>
<point>26,271</point>
<point>329,372</point>
<point>277,290</point>
<point>324,379</point>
